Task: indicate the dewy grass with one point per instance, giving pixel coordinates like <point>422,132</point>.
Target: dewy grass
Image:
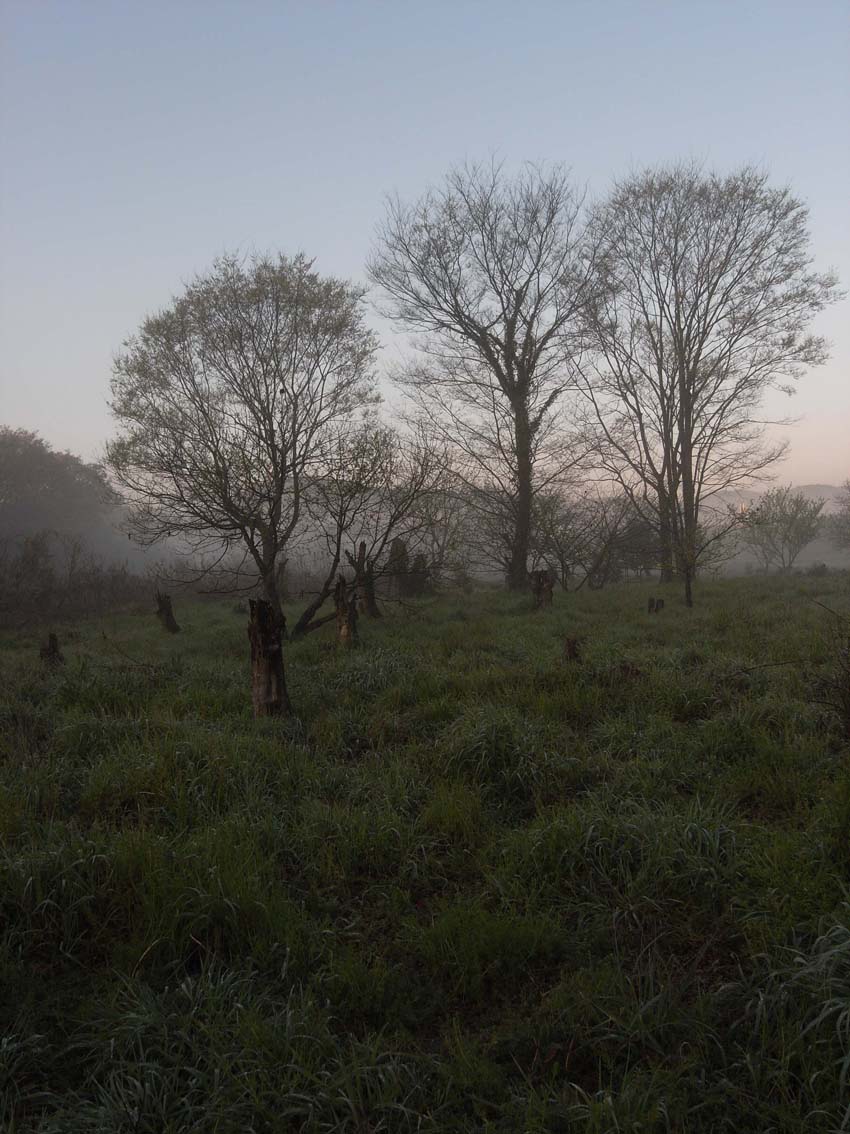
<point>473,887</point>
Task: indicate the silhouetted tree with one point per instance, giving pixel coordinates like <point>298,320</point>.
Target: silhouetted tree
<point>709,290</point>
<point>226,403</point>
<point>42,490</point>
<point>494,272</point>
<point>780,526</point>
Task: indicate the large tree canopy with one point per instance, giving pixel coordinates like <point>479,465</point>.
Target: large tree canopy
<point>782,524</point>
<point>229,403</point>
<point>709,296</point>
<point>42,490</point>
<point>492,272</point>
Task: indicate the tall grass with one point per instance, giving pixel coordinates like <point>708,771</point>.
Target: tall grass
<point>473,887</point>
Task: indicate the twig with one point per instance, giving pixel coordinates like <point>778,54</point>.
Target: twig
<point>763,665</point>
<point>123,653</point>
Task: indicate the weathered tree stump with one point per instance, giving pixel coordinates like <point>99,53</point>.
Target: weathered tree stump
<point>651,605</point>
<point>50,653</point>
<point>346,613</point>
<point>543,588</point>
<point>165,613</point>
<point>268,681</point>
<point>571,651</point>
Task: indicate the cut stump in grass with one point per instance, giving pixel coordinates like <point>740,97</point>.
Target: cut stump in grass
<point>165,613</point>
<point>571,651</point>
<point>543,588</point>
<point>50,653</point>
<point>268,681</point>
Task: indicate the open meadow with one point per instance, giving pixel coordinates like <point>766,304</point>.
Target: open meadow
<point>475,886</point>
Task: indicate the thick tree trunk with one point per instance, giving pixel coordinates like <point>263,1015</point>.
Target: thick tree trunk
<point>268,681</point>
<point>346,614</point>
<point>665,537</point>
<point>271,593</point>
<point>165,613</point>
<point>518,569</point>
<point>364,580</point>
<point>280,580</point>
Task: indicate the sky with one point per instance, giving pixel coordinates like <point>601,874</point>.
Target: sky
<point>140,139</point>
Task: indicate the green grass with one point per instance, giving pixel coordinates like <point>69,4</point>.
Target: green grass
<point>473,887</point>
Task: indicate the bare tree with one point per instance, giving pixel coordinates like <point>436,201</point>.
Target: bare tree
<point>593,538</point>
<point>780,526</point>
<point>491,273</point>
<point>563,531</point>
<point>373,488</point>
<point>709,292</point>
<point>227,403</point>
<point>447,532</point>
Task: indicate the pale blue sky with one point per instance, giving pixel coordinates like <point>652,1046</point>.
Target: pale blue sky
<point>140,139</point>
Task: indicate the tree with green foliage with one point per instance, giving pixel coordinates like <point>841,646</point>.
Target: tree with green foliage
<point>227,402</point>
<point>43,490</point>
<point>780,526</point>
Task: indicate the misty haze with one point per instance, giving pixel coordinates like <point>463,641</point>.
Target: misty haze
<point>424,567</point>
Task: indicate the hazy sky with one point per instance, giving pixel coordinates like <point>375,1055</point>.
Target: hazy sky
<point>140,139</point>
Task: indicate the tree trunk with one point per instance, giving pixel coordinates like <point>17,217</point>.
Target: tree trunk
<point>268,681</point>
<point>688,525</point>
<point>271,593</point>
<point>518,569</point>
<point>364,580</point>
<point>542,587</point>
<point>346,614</point>
<point>665,536</point>
<point>307,620</point>
<point>280,580</point>
<point>50,653</point>
<point>165,613</point>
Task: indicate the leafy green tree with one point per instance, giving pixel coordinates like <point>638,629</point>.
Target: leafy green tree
<point>42,490</point>
<point>228,403</point>
<point>782,524</point>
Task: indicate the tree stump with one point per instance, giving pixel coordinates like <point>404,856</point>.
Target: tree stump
<point>651,605</point>
<point>50,653</point>
<point>346,613</point>
<point>268,681</point>
<point>655,605</point>
<point>543,588</point>
<point>165,613</point>
<point>571,651</point>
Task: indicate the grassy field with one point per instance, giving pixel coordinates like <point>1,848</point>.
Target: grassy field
<point>473,887</point>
